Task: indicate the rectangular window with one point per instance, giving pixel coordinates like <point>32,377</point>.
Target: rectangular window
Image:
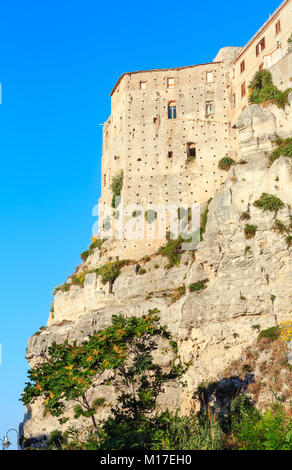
<point>170,154</point>
<point>209,77</point>
<point>143,86</point>
<point>170,83</point>
<point>191,150</point>
<point>243,90</point>
<point>242,66</point>
<point>260,46</point>
<point>209,108</point>
<point>261,66</point>
<point>278,27</point>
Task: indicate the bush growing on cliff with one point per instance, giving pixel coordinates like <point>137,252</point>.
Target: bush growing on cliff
<point>172,250</point>
<point>284,149</point>
<point>250,231</point>
<point>269,202</point>
<point>120,355</point>
<point>116,187</point>
<point>204,220</point>
<point>226,163</point>
<point>271,334</point>
<point>256,431</point>
<point>262,89</point>
<point>198,286</point>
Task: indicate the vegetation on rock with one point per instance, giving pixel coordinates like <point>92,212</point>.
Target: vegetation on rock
<point>269,202</point>
<point>262,89</point>
<point>204,220</point>
<point>284,149</point>
<point>250,231</point>
<point>121,354</point>
<point>226,163</point>
<point>198,286</point>
<point>116,187</point>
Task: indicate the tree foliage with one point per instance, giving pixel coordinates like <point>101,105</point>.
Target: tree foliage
<point>120,355</point>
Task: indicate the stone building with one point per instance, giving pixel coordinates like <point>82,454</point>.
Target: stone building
<point>265,49</point>
<point>169,128</point>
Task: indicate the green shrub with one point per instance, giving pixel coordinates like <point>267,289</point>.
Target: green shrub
<point>269,202</point>
<point>272,333</point>
<point>267,431</point>
<point>226,163</point>
<point>250,231</point>
<point>63,288</point>
<point>198,286</point>
<point>56,440</point>
<point>172,251</point>
<point>289,240</point>
<point>284,149</point>
<point>84,255</point>
<point>116,187</point>
<point>110,271</point>
<point>96,244</point>
<point>262,89</point>
<point>279,226</point>
<point>204,220</point>
<point>247,249</point>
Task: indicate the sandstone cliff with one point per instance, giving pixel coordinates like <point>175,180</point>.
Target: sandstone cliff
<point>247,281</point>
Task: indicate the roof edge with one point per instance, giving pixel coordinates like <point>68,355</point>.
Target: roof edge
<point>158,70</point>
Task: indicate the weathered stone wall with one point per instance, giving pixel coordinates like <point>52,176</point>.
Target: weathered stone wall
<point>139,136</point>
<point>282,72</point>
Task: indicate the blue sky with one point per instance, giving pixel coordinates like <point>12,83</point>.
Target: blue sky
<point>58,64</point>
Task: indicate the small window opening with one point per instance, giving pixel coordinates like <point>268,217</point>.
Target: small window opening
<point>172,110</point>
<point>243,89</point>
<point>143,86</point>
<point>170,154</point>
<point>209,108</point>
<point>191,150</point>
<point>260,47</point>
<point>242,66</point>
<point>209,77</point>
<point>278,27</point>
<point>170,83</point>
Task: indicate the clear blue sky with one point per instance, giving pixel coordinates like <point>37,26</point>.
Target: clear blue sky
<point>59,61</point>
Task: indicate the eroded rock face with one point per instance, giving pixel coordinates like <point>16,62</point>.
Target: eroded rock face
<point>249,280</point>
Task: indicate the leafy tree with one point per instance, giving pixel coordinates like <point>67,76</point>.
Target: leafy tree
<point>120,355</point>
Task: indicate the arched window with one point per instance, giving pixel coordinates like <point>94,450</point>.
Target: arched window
<point>172,110</point>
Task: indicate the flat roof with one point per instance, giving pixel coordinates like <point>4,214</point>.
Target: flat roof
<point>158,70</point>
<point>262,28</point>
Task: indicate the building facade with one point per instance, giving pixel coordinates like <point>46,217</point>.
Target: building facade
<point>266,48</point>
<point>169,128</point>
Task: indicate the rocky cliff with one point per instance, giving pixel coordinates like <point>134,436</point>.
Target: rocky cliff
<point>246,274</point>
